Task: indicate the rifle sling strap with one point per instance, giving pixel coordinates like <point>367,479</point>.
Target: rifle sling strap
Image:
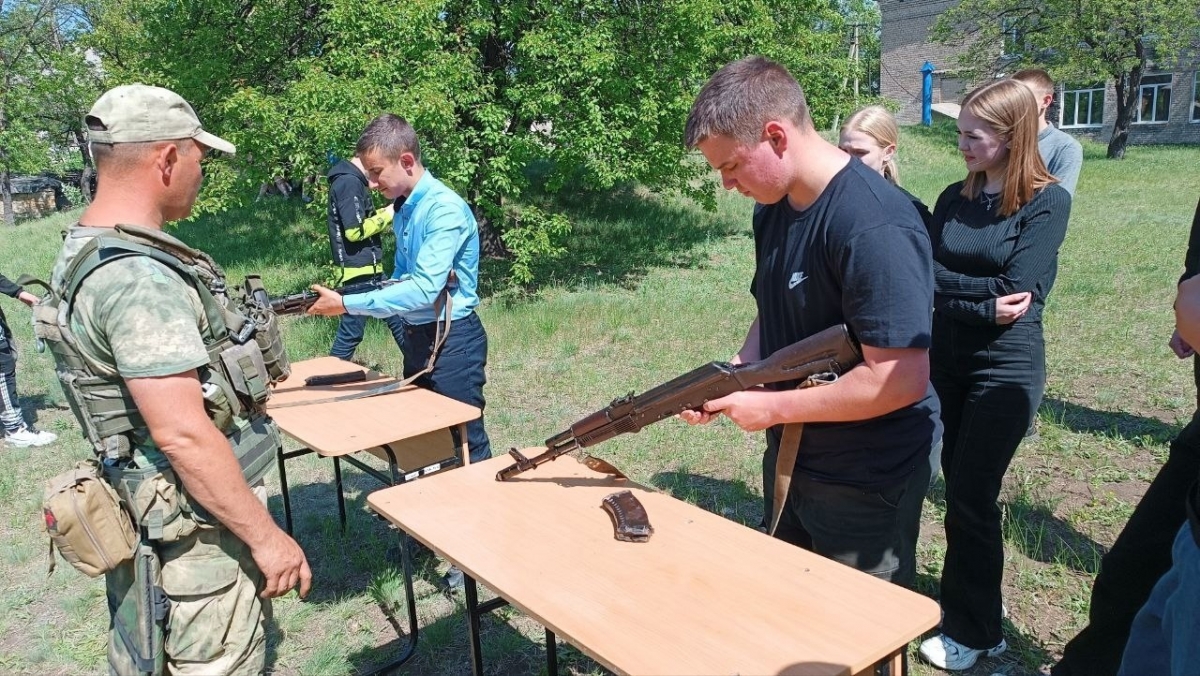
<point>785,460</point>
<point>444,305</point>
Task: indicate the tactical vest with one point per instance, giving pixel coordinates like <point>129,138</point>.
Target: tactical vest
<point>245,352</point>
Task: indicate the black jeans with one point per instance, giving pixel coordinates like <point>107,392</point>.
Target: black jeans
<point>872,530</point>
<point>350,334</point>
<point>1140,556</point>
<point>989,380</point>
<point>458,372</point>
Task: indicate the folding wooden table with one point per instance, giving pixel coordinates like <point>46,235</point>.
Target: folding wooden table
<point>704,596</point>
<point>409,429</point>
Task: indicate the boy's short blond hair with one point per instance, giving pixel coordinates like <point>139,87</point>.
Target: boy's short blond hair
<point>1037,79</point>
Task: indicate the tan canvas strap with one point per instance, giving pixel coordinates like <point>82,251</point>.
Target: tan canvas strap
<point>444,305</point>
<point>785,458</point>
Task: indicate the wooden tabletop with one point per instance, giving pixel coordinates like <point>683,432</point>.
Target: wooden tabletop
<point>704,596</point>
<point>345,427</point>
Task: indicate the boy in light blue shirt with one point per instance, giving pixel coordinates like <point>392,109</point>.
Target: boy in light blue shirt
<point>436,234</point>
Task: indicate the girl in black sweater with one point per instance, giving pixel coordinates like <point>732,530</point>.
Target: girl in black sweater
<point>995,240</point>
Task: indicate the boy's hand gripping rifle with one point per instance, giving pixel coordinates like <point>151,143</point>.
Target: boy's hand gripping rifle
<point>823,356</point>
<point>299,303</point>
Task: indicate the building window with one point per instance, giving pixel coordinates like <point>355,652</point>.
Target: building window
<point>1082,106</point>
<point>1196,97</point>
<point>1012,38</point>
<point>1155,99</point>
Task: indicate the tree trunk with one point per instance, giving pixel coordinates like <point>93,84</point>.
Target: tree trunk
<point>10,218</point>
<point>1126,87</point>
<point>85,177</point>
<point>491,245</point>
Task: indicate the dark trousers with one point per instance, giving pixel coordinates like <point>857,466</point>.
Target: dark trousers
<point>872,530</point>
<point>458,372</point>
<point>989,379</point>
<point>350,334</point>
<point>11,418</point>
<point>1138,559</point>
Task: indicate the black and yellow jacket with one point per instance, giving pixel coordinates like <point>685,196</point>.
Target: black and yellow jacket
<point>354,228</point>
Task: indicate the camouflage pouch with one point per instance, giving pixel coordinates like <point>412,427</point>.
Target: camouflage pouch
<point>246,372</point>
<point>86,522</point>
<point>158,502</point>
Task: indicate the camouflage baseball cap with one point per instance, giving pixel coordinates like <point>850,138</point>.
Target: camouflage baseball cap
<point>137,113</point>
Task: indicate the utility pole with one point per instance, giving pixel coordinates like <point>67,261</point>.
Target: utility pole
<point>846,80</point>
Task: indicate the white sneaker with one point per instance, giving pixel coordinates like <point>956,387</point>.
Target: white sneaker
<point>946,653</point>
<point>26,437</point>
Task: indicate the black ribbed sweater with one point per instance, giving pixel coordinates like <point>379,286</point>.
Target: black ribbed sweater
<point>980,256</point>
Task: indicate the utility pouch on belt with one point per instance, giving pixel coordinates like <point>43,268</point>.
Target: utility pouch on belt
<point>159,503</point>
<point>86,522</point>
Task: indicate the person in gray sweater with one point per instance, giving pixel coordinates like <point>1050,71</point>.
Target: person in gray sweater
<point>1060,151</point>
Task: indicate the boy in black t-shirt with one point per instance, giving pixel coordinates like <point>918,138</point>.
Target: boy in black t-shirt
<point>834,243</point>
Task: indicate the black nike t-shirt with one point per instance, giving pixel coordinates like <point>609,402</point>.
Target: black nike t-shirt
<point>859,255</point>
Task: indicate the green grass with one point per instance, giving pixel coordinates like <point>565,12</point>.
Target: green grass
<point>651,286</point>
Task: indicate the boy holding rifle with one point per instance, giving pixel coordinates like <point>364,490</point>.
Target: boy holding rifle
<point>835,243</point>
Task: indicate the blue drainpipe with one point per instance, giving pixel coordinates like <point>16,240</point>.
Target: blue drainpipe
<point>927,94</point>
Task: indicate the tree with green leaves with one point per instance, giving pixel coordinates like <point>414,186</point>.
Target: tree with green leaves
<point>1076,40</point>
<point>48,83</point>
<point>515,100</point>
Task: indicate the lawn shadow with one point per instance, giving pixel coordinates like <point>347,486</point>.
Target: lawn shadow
<point>734,500</point>
<point>32,404</point>
<point>1128,426</point>
<point>364,560</point>
<point>617,236</point>
<point>259,237</point>
<point>1040,535</point>
<point>342,561</point>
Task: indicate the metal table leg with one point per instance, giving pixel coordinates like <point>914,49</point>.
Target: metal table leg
<point>472,594</point>
<point>551,654</point>
<point>283,482</point>
<point>283,489</point>
<point>411,648</point>
<point>476,610</point>
<point>337,480</point>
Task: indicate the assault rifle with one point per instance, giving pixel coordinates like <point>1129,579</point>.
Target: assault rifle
<point>298,303</point>
<point>822,356</point>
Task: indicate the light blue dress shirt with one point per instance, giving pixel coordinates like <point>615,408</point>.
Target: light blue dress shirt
<point>435,233</point>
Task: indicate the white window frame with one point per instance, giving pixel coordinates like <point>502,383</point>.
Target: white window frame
<point>1010,36</point>
<point>1154,87</point>
<point>1195,117</point>
<point>1079,92</point>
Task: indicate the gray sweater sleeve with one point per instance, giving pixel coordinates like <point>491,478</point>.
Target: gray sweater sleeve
<point>1063,156</point>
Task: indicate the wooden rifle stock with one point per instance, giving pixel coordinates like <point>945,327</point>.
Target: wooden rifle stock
<point>829,353</point>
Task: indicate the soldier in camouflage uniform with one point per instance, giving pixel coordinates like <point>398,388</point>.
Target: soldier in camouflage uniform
<point>136,318</point>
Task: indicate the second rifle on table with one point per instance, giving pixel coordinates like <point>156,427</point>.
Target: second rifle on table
<point>822,356</point>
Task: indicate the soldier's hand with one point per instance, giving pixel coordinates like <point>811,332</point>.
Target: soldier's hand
<point>329,304</point>
<point>283,566</point>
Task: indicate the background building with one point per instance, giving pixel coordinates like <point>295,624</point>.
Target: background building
<point>1169,110</point>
